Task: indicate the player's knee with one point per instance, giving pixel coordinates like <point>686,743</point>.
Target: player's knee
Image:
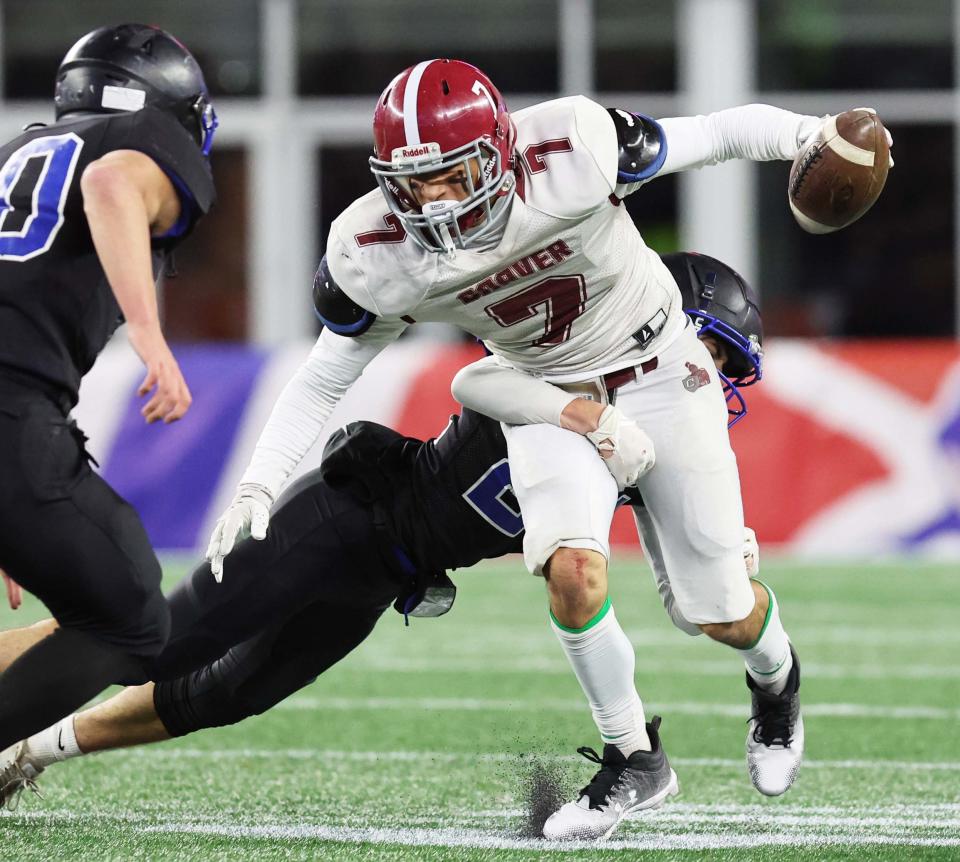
<point>577,580</point>
<point>210,697</point>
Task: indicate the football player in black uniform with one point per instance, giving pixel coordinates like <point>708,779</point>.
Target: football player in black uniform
<point>90,207</point>
<point>379,522</point>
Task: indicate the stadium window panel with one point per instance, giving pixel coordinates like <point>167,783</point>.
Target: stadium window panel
<point>655,211</point>
<point>891,274</point>
<point>207,300</point>
<point>224,36</point>
<point>355,47</point>
<point>635,46</point>
<point>343,176</point>
<point>854,44</point>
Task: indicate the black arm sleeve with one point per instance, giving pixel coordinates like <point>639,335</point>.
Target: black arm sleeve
<point>642,146</point>
<point>336,311</point>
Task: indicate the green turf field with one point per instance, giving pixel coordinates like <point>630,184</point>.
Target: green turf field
<point>416,747</point>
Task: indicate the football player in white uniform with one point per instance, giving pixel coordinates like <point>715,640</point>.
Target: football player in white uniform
<point>513,228</point>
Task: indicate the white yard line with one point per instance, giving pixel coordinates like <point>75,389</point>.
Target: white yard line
<point>715,827</point>
<point>455,837</point>
<point>739,710</point>
<point>173,753</point>
<point>557,664</point>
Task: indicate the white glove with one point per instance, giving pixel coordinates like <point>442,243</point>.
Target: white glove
<point>624,446</point>
<point>247,515</point>
<point>751,552</point>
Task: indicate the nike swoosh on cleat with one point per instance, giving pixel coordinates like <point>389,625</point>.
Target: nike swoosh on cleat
<point>60,744</point>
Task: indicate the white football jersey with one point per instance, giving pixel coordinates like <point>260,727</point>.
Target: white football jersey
<point>569,292</point>
<point>568,286</point>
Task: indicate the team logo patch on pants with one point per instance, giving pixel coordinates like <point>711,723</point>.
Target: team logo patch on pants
<point>696,378</point>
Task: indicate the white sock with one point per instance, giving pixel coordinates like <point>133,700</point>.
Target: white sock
<point>769,660</point>
<point>56,743</point>
<point>602,658</point>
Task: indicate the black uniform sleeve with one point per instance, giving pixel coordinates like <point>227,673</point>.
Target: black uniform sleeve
<point>642,146</point>
<point>171,146</point>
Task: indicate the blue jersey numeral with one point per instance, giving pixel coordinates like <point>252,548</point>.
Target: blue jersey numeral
<point>486,495</point>
<point>40,172</point>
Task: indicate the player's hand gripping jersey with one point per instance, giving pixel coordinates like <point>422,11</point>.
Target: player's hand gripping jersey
<point>57,310</point>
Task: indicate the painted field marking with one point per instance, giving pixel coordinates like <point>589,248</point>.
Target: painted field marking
<point>727,826</point>
<point>169,753</point>
<point>472,838</point>
<point>719,667</point>
<point>468,704</point>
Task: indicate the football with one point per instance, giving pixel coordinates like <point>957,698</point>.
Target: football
<point>839,173</point>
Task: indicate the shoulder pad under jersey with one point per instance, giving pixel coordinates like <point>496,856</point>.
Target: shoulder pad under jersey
<point>568,150</point>
<point>336,311</point>
<point>642,146</point>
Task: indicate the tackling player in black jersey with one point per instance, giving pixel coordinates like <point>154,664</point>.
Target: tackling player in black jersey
<point>379,522</point>
<point>90,207</point>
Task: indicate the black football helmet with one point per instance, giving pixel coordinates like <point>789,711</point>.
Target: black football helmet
<point>720,303</point>
<point>136,57</point>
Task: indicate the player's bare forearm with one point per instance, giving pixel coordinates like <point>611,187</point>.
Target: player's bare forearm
<point>126,197</point>
<point>126,719</point>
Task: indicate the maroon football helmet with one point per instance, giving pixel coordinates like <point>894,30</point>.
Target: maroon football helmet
<point>433,117</point>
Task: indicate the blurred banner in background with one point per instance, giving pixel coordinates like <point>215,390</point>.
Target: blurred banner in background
<point>848,450</point>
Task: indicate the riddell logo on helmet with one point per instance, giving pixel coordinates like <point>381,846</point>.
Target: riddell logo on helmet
<point>419,151</point>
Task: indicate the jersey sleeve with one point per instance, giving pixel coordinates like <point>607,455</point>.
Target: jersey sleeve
<point>164,140</point>
<point>347,273</point>
<point>307,401</point>
<point>759,133</point>
<point>598,135</point>
<point>568,149</point>
<point>508,395</point>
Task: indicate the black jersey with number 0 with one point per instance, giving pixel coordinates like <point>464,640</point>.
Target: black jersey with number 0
<point>448,501</point>
<point>57,310</point>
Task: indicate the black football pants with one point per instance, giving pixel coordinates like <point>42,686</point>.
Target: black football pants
<point>69,539</point>
<point>288,608</point>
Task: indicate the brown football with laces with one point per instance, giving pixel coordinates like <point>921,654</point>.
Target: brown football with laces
<point>839,172</point>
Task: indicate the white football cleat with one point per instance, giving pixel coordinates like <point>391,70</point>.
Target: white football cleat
<point>622,786</point>
<point>17,773</point>
<point>775,735</point>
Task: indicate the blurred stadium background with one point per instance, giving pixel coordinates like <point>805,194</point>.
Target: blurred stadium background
<point>410,749</point>
<point>853,442</point>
